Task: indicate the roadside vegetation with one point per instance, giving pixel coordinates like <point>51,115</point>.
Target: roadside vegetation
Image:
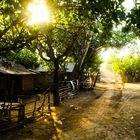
<point>127,67</point>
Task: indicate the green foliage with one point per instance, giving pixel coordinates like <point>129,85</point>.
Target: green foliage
<point>55,42</point>
<point>133,20</point>
<point>120,39</point>
<point>24,57</point>
<point>14,33</point>
<point>68,17</point>
<point>27,58</point>
<point>127,66</point>
<point>93,65</point>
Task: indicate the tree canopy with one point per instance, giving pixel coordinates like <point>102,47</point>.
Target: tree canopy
<point>77,29</point>
<point>14,33</point>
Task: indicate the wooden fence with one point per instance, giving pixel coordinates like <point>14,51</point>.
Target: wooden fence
<point>13,114</point>
<point>67,90</point>
<point>29,106</point>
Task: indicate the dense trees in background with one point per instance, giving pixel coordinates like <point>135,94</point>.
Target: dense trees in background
<point>127,67</point>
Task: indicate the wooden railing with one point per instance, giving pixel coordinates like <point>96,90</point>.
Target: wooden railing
<point>29,106</point>
<point>64,92</point>
<point>26,108</point>
<point>68,90</point>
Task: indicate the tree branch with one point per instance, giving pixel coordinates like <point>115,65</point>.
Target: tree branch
<point>41,55</point>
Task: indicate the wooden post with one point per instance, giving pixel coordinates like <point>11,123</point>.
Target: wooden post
<point>49,105</point>
<point>35,106</point>
<point>11,97</point>
<point>21,115</point>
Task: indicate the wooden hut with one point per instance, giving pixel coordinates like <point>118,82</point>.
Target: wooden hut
<point>15,78</point>
<point>43,80</point>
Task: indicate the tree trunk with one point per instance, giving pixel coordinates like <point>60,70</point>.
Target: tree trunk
<point>95,80</point>
<point>56,99</point>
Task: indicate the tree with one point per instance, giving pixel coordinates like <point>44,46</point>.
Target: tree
<point>127,67</point>
<point>14,32</point>
<point>58,40</point>
<point>99,18</point>
<point>54,46</point>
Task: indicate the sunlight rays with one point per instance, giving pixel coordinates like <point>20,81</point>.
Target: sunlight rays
<point>39,12</point>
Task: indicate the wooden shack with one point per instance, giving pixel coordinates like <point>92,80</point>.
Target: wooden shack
<point>15,78</point>
<point>43,79</point>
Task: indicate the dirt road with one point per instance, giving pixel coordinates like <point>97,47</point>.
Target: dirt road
<point>108,113</point>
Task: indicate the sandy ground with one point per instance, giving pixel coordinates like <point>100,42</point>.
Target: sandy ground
<point>108,113</point>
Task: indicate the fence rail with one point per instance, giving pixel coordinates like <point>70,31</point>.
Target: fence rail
<point>68,89</point>
<point>64,92</point>
<point>29,106</point>
<point>26,108</point>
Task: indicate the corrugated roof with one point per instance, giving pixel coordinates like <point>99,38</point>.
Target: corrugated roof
<point>41,68</point>
<point>70,67</point>
<point>14,69</point>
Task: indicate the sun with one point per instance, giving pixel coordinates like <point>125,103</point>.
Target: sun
<point>39,12</point>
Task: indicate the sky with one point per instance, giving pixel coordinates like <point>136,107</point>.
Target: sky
<point>128,4</point>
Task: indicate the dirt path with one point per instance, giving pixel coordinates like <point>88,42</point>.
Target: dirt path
<point>106,114</point>
<point>101,120</point>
